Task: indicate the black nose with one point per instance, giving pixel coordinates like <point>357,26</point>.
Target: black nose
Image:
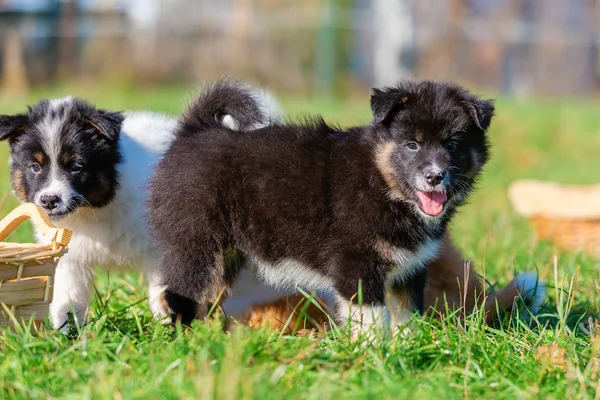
<point>434,177</point>
<point>50,202</point>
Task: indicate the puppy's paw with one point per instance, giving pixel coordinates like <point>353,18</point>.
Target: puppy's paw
<point>65,320</point>
<point>181,309</point>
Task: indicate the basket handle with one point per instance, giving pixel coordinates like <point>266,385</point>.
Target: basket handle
<point>39,218</point>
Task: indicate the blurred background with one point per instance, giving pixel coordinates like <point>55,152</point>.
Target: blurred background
<point>514,47</point>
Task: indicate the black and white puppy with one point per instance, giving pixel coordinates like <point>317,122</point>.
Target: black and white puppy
<point>89,169</point>
<point>313,205</point>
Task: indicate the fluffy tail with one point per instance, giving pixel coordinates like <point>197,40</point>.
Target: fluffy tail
<point>527,286</point>
<point>233,104</point>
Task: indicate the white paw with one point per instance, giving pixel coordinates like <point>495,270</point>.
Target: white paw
<point>158,309</point>
<point>64,319</point>
<point>157,304</point>
<point>370,322</point>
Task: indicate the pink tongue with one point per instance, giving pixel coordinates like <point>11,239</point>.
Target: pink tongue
<point>432,203</point>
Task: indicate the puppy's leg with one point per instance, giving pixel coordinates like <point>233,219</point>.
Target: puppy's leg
<point>72,287</point>
<point>155,290</point>
<point>366,310</point>
<point>192,277</point>
<point>452,283</point>
<point>364,318</point>
<point>404,298</point>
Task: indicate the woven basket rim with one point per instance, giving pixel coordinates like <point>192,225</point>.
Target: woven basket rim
<point>17,252</point>
<point>57,239</point>
<point>533,198</point>
<point>539,216</point>
<point>28,269</point>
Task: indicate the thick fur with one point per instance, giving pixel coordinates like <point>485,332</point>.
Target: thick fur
<point>315,206</point>
<point>452,285</point>
<point>102,199</point>
<point>230,103</point>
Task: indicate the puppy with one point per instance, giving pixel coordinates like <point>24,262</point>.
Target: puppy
<point>89,168</point>
<point>452,285</point>
<point>316,206</point>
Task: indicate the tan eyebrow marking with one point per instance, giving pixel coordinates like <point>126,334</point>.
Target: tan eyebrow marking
<point>39,157</point>
<point>66,159</point>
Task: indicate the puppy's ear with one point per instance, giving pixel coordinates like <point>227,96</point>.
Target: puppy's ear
<point>12,126</point>
<point>107,123</point>
<point>385,103</point>
<point>481,111</point>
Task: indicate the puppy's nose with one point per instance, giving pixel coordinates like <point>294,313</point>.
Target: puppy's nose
<point>434,176</point>
<point>50,202</point>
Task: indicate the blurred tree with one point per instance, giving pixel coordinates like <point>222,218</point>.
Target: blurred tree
<point>14,73</point>
<point>596,48</point>
<point>393,37</point>
<point>68,40</point>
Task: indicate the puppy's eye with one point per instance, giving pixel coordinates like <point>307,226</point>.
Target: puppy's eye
<point>412,146</point>
<point>36,168</point>
<point>451,145</point>
<point>76,167</point>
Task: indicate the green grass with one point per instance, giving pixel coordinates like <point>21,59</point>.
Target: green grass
<point>123,353</point>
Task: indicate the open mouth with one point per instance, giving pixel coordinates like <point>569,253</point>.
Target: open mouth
<point>58,214</point>
<point>432,203</point>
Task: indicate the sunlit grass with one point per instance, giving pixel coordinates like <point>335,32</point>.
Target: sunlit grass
<point>123,353</point>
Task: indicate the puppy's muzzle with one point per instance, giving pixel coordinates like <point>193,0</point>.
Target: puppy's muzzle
<point>51,202</point>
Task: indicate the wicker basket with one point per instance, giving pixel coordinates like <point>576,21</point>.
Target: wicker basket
<point>566,215</point>
<point>27,269</point>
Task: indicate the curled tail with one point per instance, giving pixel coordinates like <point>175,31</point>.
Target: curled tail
<point>232,104</point>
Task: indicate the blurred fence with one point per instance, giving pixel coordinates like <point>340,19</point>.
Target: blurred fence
<point>514,46</point>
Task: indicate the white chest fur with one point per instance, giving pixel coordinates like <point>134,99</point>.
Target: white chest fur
<point>108,238</point>
<point>409,263</point>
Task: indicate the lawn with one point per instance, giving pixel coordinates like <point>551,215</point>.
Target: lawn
<point>123,353</point>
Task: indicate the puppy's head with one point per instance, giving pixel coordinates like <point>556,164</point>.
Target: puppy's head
<point>431,143</point>
<point>64,154</point>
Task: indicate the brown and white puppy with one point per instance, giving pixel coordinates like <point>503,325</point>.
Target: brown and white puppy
<point>345,211</point>
<point>452,285</point>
